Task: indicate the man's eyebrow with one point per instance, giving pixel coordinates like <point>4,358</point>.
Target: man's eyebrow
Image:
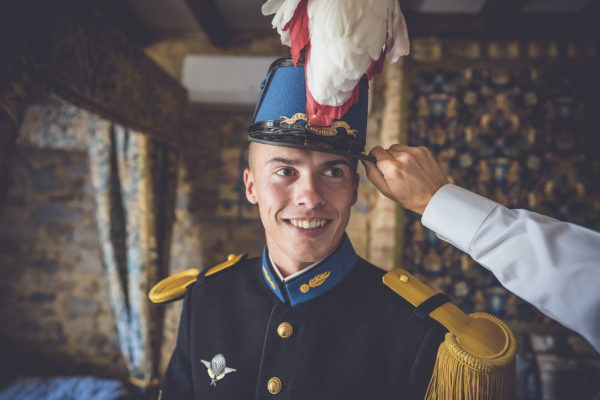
<point>281,160</point>
<point>337,162</point>
<point>287,161</point>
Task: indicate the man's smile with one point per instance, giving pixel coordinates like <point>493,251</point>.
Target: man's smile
<point>312,223</point>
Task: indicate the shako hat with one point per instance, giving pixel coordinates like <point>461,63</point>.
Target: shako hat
<point>280,115</point>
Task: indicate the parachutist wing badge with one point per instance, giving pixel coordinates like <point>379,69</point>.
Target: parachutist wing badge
<point>217,368</point>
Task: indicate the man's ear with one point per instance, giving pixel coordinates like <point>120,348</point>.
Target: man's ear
<point>250,189</point>
<point>355,191</point>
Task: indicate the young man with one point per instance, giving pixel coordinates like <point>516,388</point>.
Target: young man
<point>310,319</point>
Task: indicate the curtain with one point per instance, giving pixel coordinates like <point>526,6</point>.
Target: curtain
<point>133,179</point>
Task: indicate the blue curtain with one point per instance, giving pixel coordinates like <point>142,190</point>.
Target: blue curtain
<point>133,179</point>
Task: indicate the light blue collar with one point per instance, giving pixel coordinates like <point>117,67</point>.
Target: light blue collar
<point>315,281</point>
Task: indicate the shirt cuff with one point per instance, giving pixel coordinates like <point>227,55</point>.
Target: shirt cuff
<point>456,214</point>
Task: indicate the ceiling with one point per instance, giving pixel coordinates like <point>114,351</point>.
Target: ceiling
<point>148,20</point>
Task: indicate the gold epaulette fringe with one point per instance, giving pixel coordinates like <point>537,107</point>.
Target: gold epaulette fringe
<point>458,374</point>
<point>476,359</point>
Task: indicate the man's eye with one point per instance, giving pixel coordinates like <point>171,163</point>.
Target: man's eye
<point>285,172</point>
<point>335,172</point>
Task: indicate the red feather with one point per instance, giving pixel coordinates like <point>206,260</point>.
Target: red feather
<point>376,66</point>
<point>298,27</point>
<point>323,115</point>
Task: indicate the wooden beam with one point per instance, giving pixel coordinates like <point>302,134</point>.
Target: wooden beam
<point>72,49</point>
<point>435,24</point>
<point>14,91</point>
<point>556,26</point>
<point>124,19</point>
<point>503,19</point>
<point>211,20</point>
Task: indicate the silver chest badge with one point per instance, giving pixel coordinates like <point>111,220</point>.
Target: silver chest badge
<point>216,368</point>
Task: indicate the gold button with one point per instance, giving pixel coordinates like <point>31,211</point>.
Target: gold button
<point>404,278</point>
<point>274,385</point>
<point>230,257</point>
<point>285,330</point>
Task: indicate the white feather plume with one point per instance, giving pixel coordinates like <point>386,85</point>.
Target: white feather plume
<point>345,36</point>
<point>283,10</point>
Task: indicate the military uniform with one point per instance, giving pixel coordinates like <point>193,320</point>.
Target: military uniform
<point>342,329</point>
<point>334,332</point>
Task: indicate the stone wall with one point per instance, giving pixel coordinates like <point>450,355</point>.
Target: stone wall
<point>52,292</point>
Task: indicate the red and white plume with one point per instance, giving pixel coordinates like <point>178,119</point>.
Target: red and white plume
<point>342,40</point>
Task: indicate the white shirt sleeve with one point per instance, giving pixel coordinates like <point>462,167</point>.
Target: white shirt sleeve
<point>551,264</point>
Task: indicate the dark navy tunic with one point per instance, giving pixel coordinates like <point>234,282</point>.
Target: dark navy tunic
<point>352,337</point>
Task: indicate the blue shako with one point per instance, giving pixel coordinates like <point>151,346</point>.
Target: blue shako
<point>280,115</point>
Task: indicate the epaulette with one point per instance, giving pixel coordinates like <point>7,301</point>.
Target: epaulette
<point>477,358</point>
<point>173,287</point>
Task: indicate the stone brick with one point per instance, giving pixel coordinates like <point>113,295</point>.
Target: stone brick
<point>48,266</point>
<point>45,180</point>
<point>78,170</point>
<point>60,231</point>
<point>17,232</point>
<point>91,264</point>
<point>182,200</point>
<point>41,297</point>
<point>65,285</point>
<point>82,304</point>
<point>53,328</point>
<point>29,326</point>
<point>45,213</point>
<point>86,234</point>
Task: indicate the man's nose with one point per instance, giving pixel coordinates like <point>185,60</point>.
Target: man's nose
<point>309,192</point>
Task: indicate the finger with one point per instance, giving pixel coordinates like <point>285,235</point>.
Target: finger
<point>379,154</point>
<point>385,160</point>
<point>401,147</point>
<point>408,155</point>
<point>375,176</point>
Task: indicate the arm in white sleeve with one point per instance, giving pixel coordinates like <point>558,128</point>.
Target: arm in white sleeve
<point>551,264</point>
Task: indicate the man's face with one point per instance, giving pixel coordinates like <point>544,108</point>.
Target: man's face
<point>304,199</point>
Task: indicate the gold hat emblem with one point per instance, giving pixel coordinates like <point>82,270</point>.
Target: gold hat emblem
<point>320,130</point>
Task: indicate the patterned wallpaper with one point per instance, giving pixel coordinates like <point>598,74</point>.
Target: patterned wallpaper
<point>514,122</point>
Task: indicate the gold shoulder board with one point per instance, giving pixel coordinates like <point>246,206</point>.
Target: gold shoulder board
<point>478,354</point>
<point>173,287</point>
<point>232,259</point>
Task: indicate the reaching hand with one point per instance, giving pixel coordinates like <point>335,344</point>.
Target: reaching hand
<point>407,175</point>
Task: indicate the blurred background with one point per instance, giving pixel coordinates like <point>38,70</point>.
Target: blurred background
<point>123,141</point>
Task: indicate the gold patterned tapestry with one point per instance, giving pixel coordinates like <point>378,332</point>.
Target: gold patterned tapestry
<point>513,121</point>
